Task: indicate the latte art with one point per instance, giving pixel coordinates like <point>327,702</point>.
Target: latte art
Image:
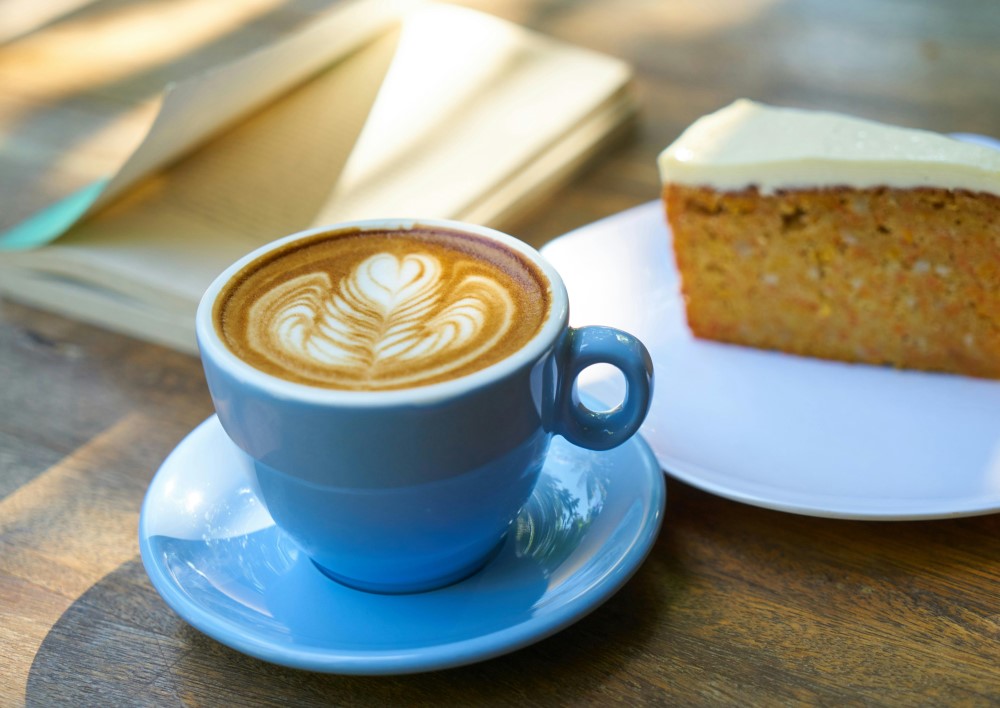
<point>382,310</point>
<point>386,316</point>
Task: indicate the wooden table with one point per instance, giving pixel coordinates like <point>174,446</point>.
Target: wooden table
<point>735,604</point>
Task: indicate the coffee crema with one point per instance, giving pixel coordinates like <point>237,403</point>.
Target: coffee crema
<point>380,310</point>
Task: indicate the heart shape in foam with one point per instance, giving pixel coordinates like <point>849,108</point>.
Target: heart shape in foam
<point>389,323</point>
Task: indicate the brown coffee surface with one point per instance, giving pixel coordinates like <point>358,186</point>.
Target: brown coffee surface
<point>382,310</point>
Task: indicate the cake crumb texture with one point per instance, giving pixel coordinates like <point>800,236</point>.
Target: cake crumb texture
<point>903,277</point>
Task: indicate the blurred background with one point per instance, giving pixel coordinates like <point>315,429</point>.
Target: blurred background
<point>79,78</point>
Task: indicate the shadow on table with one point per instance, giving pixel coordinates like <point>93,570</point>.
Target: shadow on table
<point>119,644</point>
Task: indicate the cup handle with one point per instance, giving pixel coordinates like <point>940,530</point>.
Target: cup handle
<point>602,430</point>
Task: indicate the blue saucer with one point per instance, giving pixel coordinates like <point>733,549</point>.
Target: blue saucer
<point>216,557</point>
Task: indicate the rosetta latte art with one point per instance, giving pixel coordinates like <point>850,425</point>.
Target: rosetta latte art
<point>392,322</point>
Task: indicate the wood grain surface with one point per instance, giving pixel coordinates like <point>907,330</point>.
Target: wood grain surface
<point>735,605</point>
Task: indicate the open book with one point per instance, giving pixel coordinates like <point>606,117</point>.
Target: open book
<point>445,113</point>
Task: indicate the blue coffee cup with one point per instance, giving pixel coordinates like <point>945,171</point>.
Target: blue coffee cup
<point>412,489</point>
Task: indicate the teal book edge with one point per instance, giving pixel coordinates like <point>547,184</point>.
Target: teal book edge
<point>50,223</point>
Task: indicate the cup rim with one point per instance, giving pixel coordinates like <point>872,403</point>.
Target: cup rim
<point>211,345</point>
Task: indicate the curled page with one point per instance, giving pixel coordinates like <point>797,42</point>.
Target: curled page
<point>194,110</point>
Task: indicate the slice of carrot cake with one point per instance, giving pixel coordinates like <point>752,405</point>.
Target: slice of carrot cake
<point>824,235</point>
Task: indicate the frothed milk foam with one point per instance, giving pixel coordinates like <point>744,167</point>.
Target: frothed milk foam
<point>380,310</point>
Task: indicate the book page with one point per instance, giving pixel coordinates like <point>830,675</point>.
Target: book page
<point>471,123</point>
<point>397,129</point>
<point>188,113</point>
<point>265,177</point>
<point>196,109</point>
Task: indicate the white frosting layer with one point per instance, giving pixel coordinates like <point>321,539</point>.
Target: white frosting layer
<point>748,143</point>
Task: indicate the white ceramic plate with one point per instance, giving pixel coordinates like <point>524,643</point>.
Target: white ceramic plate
<point>775,430</point>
